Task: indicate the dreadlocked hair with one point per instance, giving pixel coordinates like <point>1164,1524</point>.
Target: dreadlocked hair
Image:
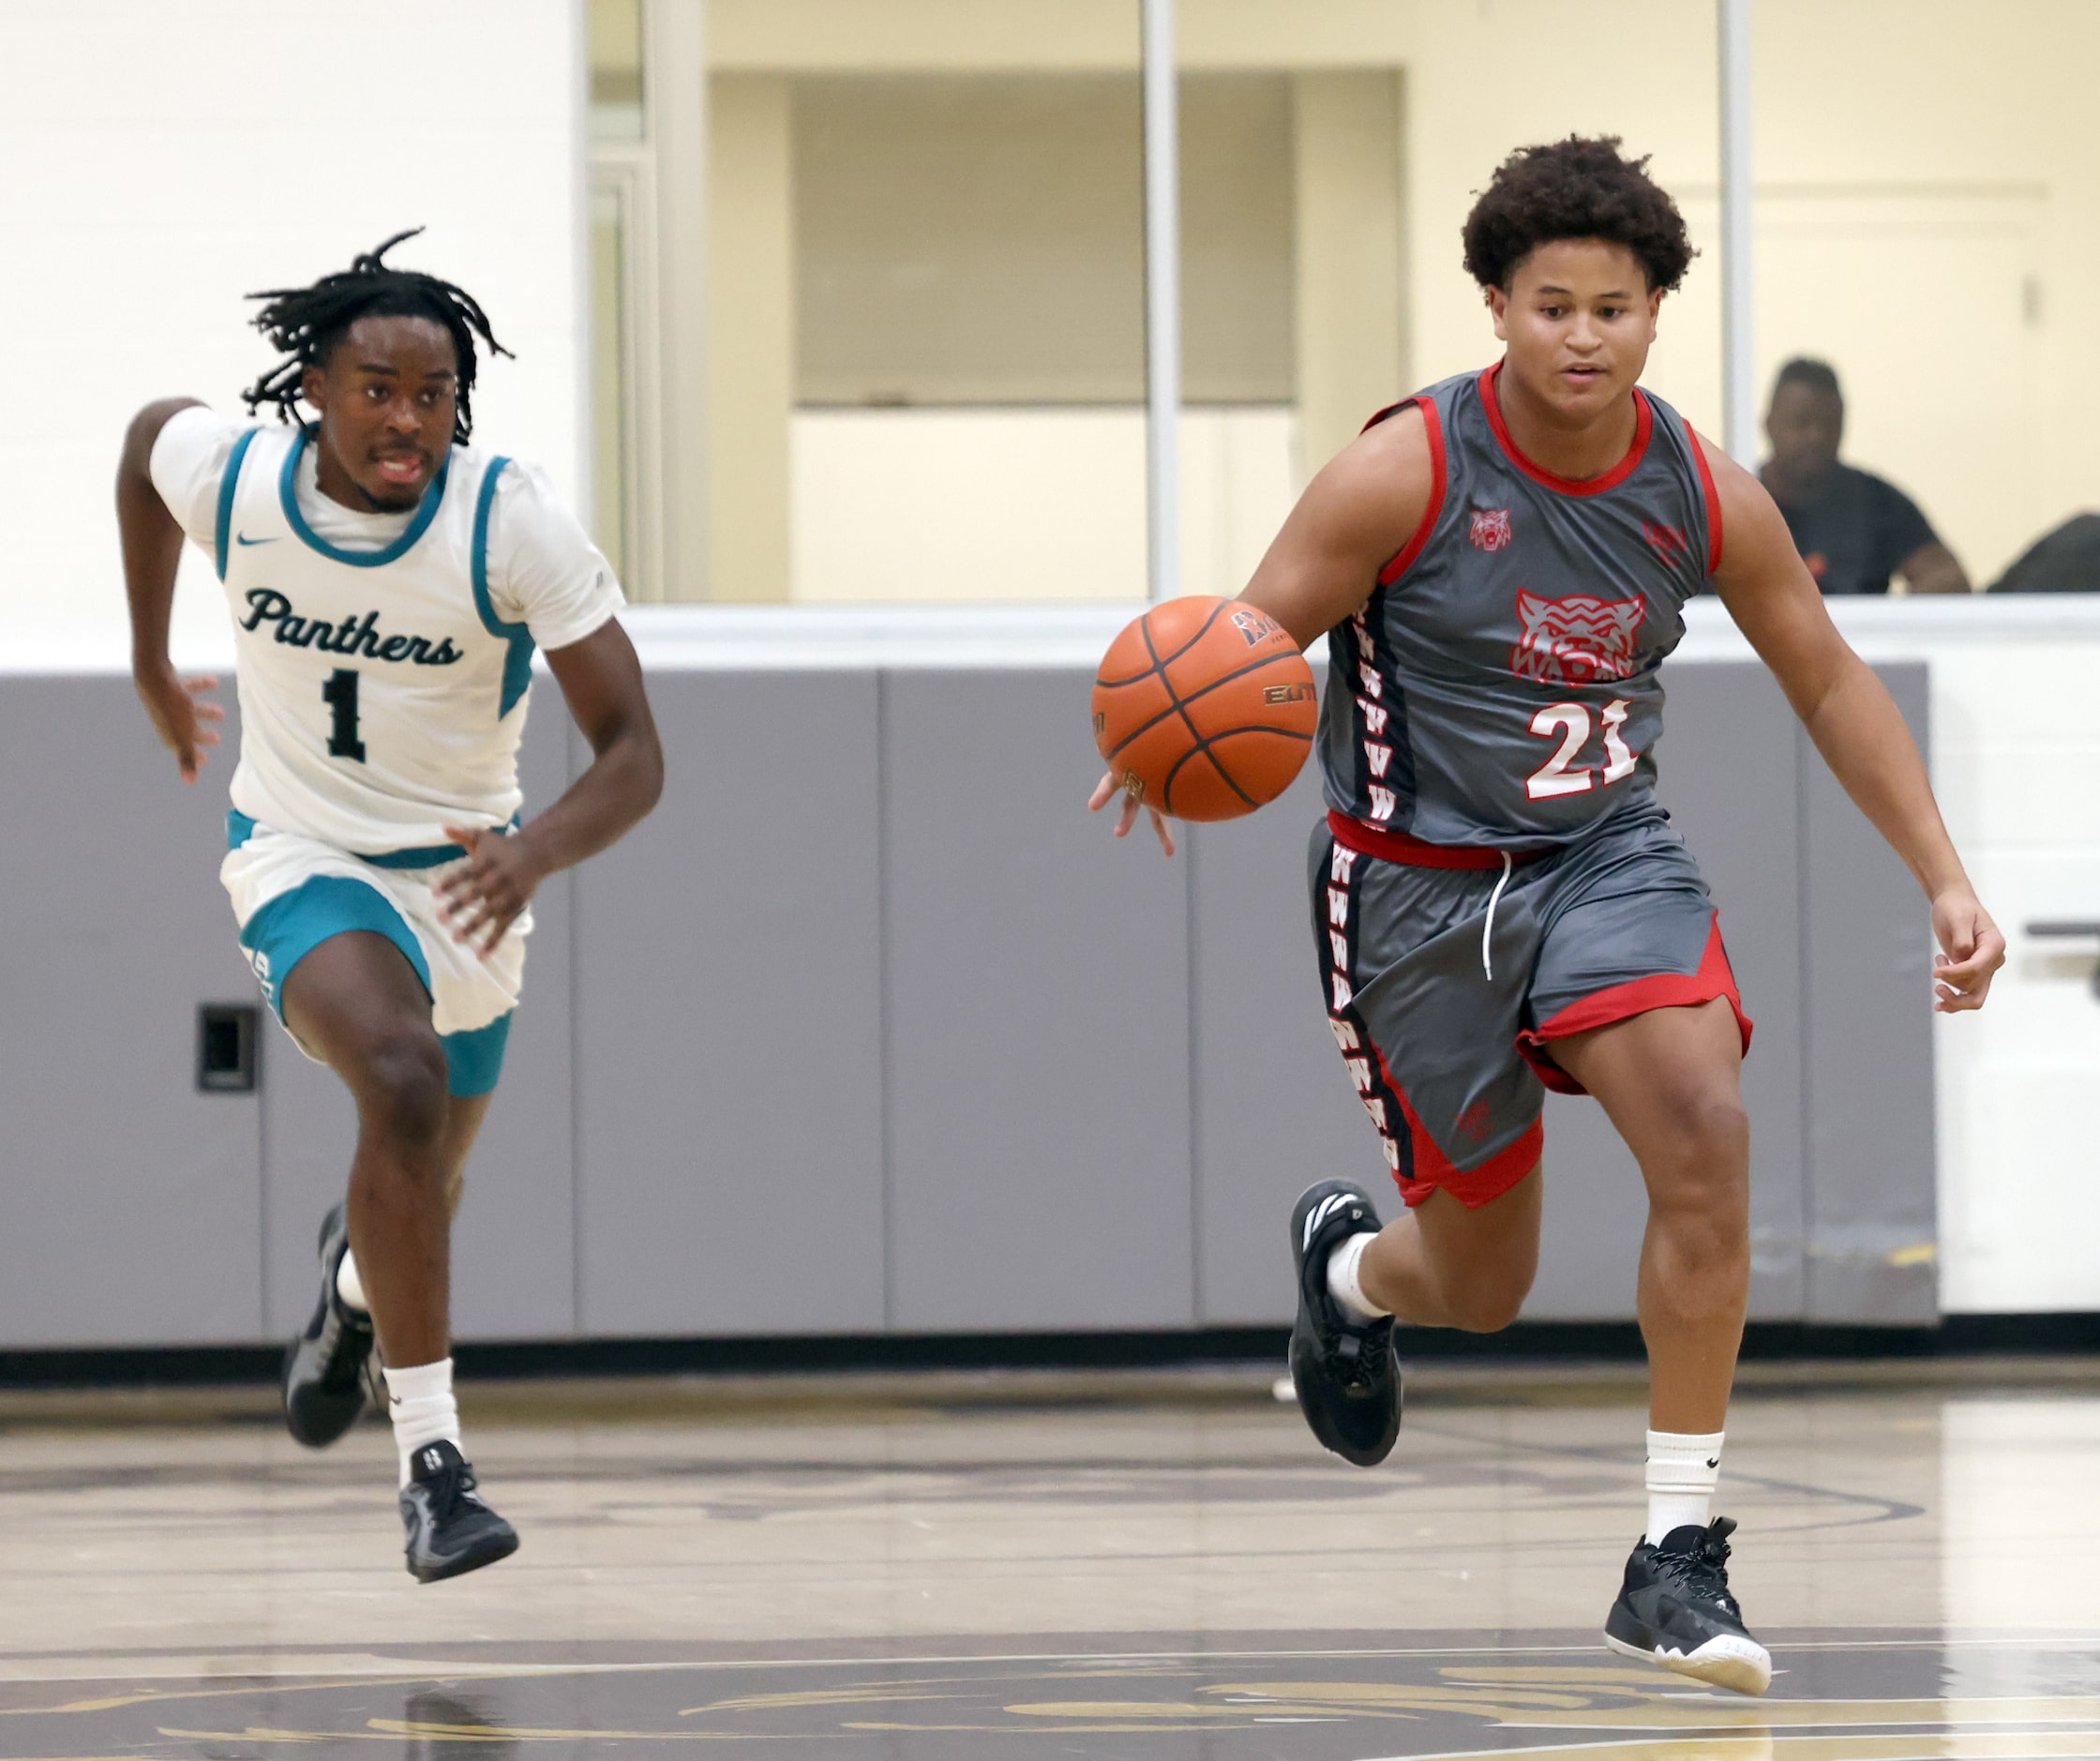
<point>306,323</point>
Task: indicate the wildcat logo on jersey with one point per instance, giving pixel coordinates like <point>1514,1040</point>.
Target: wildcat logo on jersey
<point>1491,529</point>
<point>1576,640</point>
<point>1255,626</point>
<point>1668,540</point>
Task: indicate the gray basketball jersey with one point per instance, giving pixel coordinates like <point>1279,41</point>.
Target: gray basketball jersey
<point>1500,688</point>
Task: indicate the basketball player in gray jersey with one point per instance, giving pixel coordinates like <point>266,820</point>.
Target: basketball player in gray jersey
<point>1500,905</point>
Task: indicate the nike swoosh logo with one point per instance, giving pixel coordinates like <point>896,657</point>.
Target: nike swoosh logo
<point>1715,1462</point>
<point>242,537</point>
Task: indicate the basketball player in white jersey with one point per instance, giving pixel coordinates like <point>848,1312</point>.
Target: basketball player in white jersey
<point>389,582</point>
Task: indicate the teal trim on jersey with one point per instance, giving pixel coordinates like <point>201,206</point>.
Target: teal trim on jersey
<point>517,664</point>
<point>473,1061</point>
<point>429,855</point>
<point>294,923</point>
<point>240,828</point>
<point>425,514</point>
<point>222,530</point>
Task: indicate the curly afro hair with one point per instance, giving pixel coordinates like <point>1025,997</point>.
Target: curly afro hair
<point>1579,188</point>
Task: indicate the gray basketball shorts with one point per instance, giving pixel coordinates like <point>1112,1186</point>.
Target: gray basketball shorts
<point>1446,1012</point>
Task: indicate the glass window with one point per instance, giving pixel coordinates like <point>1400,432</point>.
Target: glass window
<point>869,273</point>
<point>623,468</point>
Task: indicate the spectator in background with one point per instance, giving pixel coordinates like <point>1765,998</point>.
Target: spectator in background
<point>1854,530</point>
<point>2063,560</point>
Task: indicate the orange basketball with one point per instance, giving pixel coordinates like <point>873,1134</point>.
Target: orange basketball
<point>1204,708</point>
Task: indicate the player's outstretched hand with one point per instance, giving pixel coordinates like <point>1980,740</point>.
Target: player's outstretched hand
<point>1105,790</point>
<point>1974,947</point>
<point>482,896</point>
<point>183,715</point>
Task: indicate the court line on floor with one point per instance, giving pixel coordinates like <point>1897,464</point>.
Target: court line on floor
<point>379,1667</point>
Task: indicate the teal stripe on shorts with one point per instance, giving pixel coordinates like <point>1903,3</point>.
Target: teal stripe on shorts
<point>294,923</point>
<point>475,1060</point>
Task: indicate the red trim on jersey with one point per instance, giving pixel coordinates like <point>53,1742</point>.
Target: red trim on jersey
<point>1712,503</point>
<point>1472,1186</point>
<point>1414,853</point>
<point>1622,1002</point>
<point>1644,425</point>
<point>1397,564</point>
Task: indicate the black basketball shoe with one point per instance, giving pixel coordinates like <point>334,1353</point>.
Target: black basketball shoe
<point>1676,1610</point>
<point>450,1529</point>
<point>1348,1386</point>
<point>327,1368</point>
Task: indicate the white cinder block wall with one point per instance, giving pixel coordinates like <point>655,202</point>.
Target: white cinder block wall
<point>163,160</point>
<point>2015,751</point>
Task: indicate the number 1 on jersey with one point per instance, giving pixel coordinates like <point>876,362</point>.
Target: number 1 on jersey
<point>340,695</point>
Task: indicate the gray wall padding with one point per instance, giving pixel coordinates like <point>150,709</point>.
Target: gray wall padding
<point>872,1027</point>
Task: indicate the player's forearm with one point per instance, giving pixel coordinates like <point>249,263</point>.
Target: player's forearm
<point>1864,739</point>
<point>150,539</point>
<point>602,806</point>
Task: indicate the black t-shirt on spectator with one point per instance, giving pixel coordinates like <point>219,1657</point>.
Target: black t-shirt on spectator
<point>1856,531</point>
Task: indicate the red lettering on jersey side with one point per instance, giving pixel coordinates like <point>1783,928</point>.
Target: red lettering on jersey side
<point>1576,640</point>
<point>1491,529</point>
<point>1666,540</point>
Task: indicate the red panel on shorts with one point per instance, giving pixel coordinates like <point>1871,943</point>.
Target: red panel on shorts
<point>1472,1188</point>
<point>1622,1002</point>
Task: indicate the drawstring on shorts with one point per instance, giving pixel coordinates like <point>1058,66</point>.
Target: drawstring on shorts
<point>1487,929</point>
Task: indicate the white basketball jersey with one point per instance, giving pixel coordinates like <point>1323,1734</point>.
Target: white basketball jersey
<point>381,698</point>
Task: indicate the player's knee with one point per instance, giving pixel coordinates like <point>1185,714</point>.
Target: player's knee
<point>1702,1197</point>
<point>1487,1308</point>
<point>1487,1301</point>
<point>403,1090</point>
<point>1705,1153</point>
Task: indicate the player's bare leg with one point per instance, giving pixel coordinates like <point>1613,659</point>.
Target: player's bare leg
<point>464,1114</point>
<point>1439,1264</point>
<point>1670,1082</point>
<point>357,1001</point>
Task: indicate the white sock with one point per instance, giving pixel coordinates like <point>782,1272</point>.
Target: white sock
<point>1341,1278</point>
<point>419,1400</point>
<point>1681,1472</point>
<point>348,1285</point>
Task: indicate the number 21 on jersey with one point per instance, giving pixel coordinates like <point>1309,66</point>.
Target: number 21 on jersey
<point>1560,774</point>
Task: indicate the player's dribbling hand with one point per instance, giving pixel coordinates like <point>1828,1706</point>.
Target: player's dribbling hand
<point>181,714</point>
<point>1974,947</point>
<point>482,896</point>
<point>1106,788</point>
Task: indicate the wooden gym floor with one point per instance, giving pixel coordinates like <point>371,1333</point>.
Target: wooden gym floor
<point>977,1568</point>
